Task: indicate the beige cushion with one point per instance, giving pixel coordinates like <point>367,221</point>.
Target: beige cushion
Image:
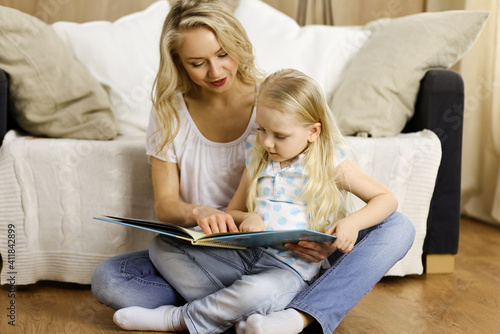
<point>52,93</point>
<point>378,89</point>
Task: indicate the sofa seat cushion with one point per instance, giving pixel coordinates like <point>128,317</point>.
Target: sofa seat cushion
<point>51,205</point>
<point>408,165</point>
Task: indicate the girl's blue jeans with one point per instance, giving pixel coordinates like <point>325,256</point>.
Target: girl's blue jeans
<point>132,280</point>
<point>223,286</point>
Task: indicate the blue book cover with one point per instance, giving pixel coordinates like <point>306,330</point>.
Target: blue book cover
<point>237,240</point>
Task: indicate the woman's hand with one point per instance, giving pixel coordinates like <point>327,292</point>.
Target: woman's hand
<point>312,251</point>
<point>252,223</point>
<point>346,233</point>
<point>213,221</point>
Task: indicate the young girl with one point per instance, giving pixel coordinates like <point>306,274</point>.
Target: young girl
<point>298,176</point>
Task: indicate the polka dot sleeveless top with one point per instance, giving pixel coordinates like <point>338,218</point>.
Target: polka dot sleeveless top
<point>279,205</point>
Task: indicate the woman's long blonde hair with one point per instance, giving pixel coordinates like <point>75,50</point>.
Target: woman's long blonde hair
<point>293,93</point>
<point>186,15</point>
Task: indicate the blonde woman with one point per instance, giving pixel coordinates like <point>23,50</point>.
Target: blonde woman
<point>290,183</point>
<point>204,112</point>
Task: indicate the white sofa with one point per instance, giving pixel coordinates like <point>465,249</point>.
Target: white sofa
<point>51,188</point>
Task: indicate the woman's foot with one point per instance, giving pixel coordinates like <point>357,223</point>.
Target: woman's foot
<point>164,318</point>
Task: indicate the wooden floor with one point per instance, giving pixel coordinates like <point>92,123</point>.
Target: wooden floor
<point>467,301</point>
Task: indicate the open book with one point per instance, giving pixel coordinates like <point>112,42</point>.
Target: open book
<point>238,240</point>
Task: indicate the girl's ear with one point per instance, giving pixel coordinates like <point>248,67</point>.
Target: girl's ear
<point>314,132</point>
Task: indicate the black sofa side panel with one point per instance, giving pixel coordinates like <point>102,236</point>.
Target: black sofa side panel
<point>440,108</point>
<point>4,93</point>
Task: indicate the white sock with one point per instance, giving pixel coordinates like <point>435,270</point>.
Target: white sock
<point>164,318</point>
<point>240,327</point>
<point>284,322</point>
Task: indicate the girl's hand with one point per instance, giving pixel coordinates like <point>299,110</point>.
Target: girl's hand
<point>213,221</point>
<point>252,223</point>
<point>346,233</point>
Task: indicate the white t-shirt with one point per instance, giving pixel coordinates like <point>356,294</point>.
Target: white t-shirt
<point>210,172</point>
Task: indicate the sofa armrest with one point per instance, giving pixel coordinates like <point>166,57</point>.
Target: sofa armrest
<point>440,108</point>
<point>4,93</point>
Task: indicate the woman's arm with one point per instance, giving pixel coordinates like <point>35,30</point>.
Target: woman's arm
<point>169,207</point>
<point>247,221</point>
<point>380,204</point>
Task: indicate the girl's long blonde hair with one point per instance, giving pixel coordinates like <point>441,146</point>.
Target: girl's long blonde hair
<point>186,15</point>
<point>293,93</point>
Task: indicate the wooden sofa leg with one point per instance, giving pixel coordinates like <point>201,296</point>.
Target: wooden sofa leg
<point>439,263</point>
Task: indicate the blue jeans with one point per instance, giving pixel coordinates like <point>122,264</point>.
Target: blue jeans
<point>131,279</point>
<point>224,286</point>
